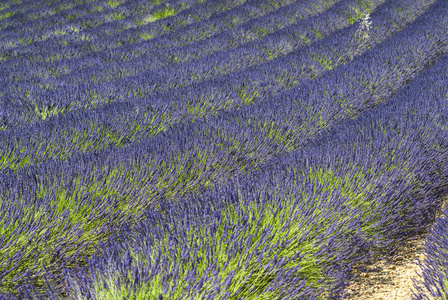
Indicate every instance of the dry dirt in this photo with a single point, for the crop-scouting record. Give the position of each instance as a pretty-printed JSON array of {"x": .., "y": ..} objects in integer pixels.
[{"x": 391, "y": 280}]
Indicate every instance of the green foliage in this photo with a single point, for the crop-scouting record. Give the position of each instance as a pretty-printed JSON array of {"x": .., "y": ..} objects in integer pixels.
[
  {"x": 146, "y": 36},
  {"x": 161, "y": 14},
  {"x": 7, "y": 15},
  {"x": 113, "y": 4}
]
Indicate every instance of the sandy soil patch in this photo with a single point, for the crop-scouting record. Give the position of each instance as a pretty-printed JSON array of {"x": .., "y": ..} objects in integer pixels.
[{"x": 392, "y": 280}]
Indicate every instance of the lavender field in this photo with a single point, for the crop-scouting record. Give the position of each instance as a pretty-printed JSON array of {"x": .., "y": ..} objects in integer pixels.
[{"x": 219, "y": 149}]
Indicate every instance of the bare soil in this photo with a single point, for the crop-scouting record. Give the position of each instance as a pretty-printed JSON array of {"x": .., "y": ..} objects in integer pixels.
[{"x": 391, "y": 279}]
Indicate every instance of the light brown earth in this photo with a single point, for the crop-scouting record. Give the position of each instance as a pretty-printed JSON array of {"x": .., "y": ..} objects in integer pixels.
[{"x": 391, "y": 280}]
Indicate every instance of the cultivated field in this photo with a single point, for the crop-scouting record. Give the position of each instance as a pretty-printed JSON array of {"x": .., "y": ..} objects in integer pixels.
[{"x": 222, "y": 149}]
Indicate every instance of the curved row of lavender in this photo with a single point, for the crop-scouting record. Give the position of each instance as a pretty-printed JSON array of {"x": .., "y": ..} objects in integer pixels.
[
  {"x": 75, "y": 205},
  {"x": 385, "y": 172},
  {"x": 209, "y": 22},
  {"x": 372, "y": 182},
  {"x": 148, "y": 116},
  {"x": 123, "y": 90}
]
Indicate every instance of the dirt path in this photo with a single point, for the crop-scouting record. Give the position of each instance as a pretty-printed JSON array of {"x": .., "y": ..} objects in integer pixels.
[{"x": 391, "y": 280}]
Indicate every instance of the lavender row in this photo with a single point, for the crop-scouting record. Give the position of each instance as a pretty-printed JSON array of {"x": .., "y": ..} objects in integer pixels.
[
  {"x": 90, "y": 188},
  {"x": 295, "y": 227},
  {"x": 384, "y": 171},
  {"x": 266, "y": 39},
  {"x": 136, "y": 49},
  {"x": 101, "y": 129},
  {"x": 100, "y": 33},
  {"x": 17, "y": 8},
  {"x": 140, "y": 55},
  {"x": 18, "y": 90},
  {"x": 90, "y": 61},
  {"x": 319, "y": 113},
  {"x": 62, "y": 16},
  {"x": 312, "y": 118},
  {"x": 228, "y": 91},
  {"x": 15, "y": 25}
]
